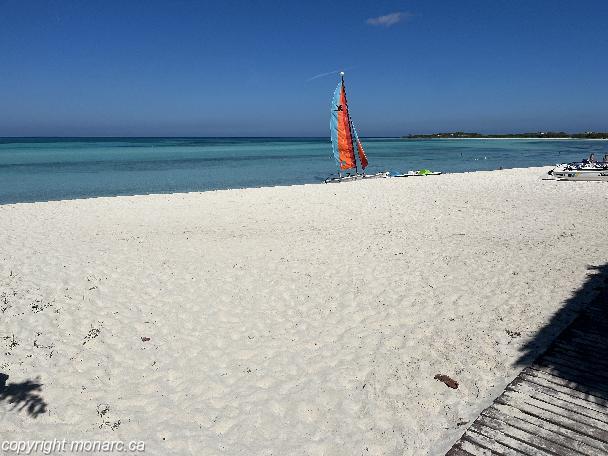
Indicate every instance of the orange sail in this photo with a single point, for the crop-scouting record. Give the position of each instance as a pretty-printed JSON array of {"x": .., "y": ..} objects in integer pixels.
[
  {"x": 343, "y": 133},
  {"x": 341, "y": 137}
]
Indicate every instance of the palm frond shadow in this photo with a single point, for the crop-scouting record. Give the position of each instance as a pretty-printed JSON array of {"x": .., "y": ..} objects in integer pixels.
[
  {"x": 23, "y": 396},
  {"x": 574, "y": 343}
]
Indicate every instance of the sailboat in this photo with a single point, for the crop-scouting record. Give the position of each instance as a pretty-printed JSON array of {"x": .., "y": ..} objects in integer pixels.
[{"x": 345, "y": 140}]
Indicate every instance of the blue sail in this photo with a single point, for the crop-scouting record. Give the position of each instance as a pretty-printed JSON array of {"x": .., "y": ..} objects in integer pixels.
[{"x": 333, "y": 123}]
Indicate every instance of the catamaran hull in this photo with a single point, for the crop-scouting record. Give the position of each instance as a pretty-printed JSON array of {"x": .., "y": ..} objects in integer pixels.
[
  {"x": 581, "y": 175},
  {"x": 416, "y": 174},
  {"x": 355, "y": 177},
  {"x": 577, "y": 175}
]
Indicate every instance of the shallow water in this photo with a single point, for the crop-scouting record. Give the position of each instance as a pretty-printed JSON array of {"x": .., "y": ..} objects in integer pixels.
[{"x": 41, "y": 169}]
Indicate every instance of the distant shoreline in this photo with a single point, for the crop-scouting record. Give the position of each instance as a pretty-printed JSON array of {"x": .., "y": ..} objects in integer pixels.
[
  {"x": 529, "y": 135},
  {"x": 519, "y": 137}
]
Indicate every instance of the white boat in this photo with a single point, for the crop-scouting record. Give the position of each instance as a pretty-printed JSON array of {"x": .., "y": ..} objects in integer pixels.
[{"x": 581, "y": 171}]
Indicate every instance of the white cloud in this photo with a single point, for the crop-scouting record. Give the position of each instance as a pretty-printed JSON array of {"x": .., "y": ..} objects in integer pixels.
[{"x": 389, "y": 19}]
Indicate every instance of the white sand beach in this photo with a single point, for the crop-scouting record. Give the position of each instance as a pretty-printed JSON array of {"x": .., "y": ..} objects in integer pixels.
[{"x": 304, "y": 320}]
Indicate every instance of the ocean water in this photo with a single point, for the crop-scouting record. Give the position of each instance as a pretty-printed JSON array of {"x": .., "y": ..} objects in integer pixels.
[{"x": 42, "y": 169}]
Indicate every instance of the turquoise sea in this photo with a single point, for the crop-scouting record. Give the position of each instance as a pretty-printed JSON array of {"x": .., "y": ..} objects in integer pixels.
[{"x": 42, "y": 169}]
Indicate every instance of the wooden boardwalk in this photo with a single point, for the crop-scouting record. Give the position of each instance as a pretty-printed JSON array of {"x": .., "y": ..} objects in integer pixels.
[{"x": 558, "y": 405}]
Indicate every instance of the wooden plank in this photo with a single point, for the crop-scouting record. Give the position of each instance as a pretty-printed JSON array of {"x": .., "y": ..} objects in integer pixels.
[
  {"x": 508, "y": 441},
  {"x": 457, "y": 451},
  {"x": 562, "y": 369},
  {"x": 579, "y": 362},
  {"x": 579, "y": 350},
  {"x": 569, "y": 382},
  {"x": 580, "y": 344},
  {"x": 573, "y": 373},
  {"x": 587, "y": 331},
  {"x": 556, "y": 419},
  {"x": 588, "y": 335},
  {"x": 583, "y": 380},
  {"x": 566, "y": 385},
  {"x": 595, "y": 360},
  {"x": 549, "y": 404},
  {"x": 527, "y": 435},
  {"x": 475, "y": 448},
  {"x": 566, "y": 389},
  {"x": 490, "y": 444},
  {"x": 521, "y": 401},
  {"x": 586, "y": 343},
  {"x": 547, "y": 430},
  {"x": 573, "y": 403}
]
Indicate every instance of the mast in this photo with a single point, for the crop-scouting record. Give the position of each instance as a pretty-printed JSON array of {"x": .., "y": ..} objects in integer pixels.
[{"x": 350, "y": 125}]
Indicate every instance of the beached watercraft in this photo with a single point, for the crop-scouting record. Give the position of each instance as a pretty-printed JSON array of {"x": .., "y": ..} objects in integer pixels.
[
  {"x": 581, "y": 171},
  {"x": 345, "y": 140},
  {"x": 353, "y": 177},
  {"x": 420, "y": 172}
]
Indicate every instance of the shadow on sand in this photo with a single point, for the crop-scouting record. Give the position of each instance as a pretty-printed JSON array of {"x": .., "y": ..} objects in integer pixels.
[
  {"x": 574, "y": 342},
  {"x": 558, "y": 403},
  {"x": 23, "y": 396}
]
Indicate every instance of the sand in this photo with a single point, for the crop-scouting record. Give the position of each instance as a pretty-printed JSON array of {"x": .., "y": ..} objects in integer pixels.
[{"x": 304, "y": 320}]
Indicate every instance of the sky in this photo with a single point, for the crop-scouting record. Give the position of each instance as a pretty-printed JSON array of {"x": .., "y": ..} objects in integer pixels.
[{"x": 268, "y": 68}]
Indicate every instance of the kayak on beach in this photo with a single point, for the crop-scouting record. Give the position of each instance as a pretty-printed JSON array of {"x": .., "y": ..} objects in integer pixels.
[{"x": 420, "y": 172}]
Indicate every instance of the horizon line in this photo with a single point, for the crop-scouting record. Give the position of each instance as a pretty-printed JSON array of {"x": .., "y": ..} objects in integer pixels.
[{"x": 274, "y": 136}]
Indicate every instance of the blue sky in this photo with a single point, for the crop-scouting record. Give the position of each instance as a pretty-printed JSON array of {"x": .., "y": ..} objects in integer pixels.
[{"x": 238, "y": 68}]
